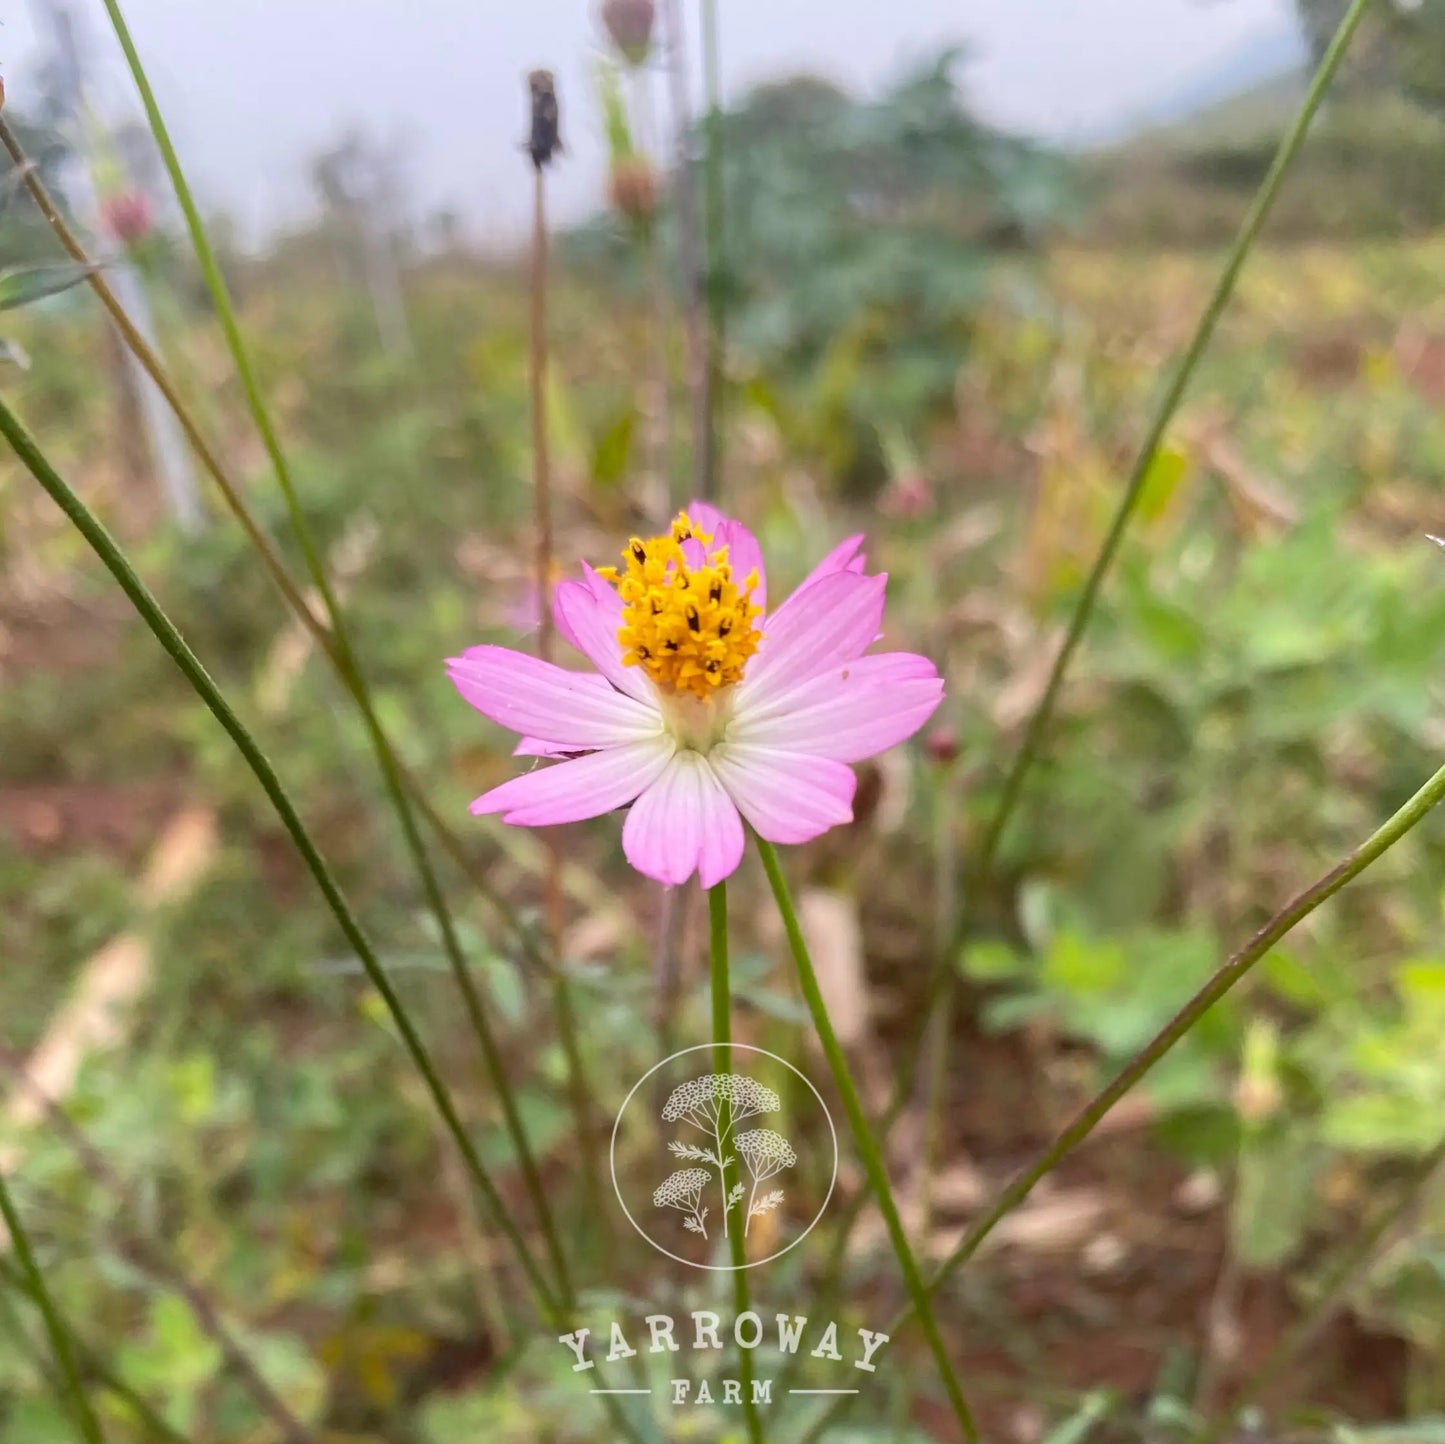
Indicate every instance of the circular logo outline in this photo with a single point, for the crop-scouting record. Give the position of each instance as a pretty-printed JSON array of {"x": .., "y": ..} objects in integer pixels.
[{"x": 712, "y": 1049}]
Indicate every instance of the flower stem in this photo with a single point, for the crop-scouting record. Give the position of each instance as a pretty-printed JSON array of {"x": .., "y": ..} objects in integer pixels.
[
  {"x": 867, "y": 1145},
  {"x": 60, "y": 1340},
  {"x": 346, "y": 658},
  {"x": 717, "y": 911},
  {"x": 579, "y": 1096},
  {"x": 689, "y": 249},
  {"x": 165, "y": 632},
  {"x": 1228, "y": 974},
  {"x": 935, "y": 1042}
]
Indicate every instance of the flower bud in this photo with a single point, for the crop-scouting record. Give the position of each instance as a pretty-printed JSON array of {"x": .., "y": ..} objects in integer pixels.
[
  {"x": 941, "y": 744},
  {"x": 632, "y": 187},
  {"x": 629, "y": 23},
  {"x": 908, "y": 495},
  {"x": 126, "y": 217}
]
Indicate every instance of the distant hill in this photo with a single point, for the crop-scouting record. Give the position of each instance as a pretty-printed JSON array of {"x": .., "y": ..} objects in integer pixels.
[
  {"x": 1253, "y": 90},
  {"x": 1184, "y": 172}
]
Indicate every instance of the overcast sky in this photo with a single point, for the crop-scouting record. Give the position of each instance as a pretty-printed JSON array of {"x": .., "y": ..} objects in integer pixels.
[{"x": 252, "y": 88}]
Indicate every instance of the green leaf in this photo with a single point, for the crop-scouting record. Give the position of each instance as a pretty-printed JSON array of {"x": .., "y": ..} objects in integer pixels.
[
  {"x": 991, "y": 961},
  {"x": 1076, "y": 1429},
  {"x": 38, "y": 1421},
  {"x": 1274, "y": 1196},
  {"x": 1168, "y": 468},
  {"x": 20, "y": 285},
  {"x": 1417, "y": 1431},
  {"x": 614, "y": 449}
]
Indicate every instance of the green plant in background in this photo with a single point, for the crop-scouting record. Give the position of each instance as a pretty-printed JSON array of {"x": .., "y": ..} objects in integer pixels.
[{"x": 859, "y": 239}]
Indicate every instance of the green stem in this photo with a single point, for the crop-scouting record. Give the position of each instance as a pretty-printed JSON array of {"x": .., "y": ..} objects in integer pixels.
[
  {"x": 60, "y": 1340},
  {"x": 1332, "y": 1294},
  {"x": 717, "y": 912},
  {"x": 934, "y": 1046},
  {"x": 1249, "y": 230},
  {"x": 157, "y": 1427},
  {"x": 716, "y": 254},
  {"x": 1230, "y": 972},
  {"x": 863, "y": 1137},
  {"x": 164, "y": 630},
  {"x": 346, "y": 658}
]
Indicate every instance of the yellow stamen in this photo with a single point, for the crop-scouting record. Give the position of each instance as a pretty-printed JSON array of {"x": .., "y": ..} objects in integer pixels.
[{"x": 690, "y": 628}]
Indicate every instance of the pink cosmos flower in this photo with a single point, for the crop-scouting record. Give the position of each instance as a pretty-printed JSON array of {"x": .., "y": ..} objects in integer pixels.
[{"x": 705, "y": 708}]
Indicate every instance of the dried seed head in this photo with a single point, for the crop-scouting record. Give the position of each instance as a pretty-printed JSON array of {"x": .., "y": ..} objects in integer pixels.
[
  {"x": 629, "y": 23},
  {"x": 546, "y": 138},
  {"x": 632, "y": 187}
]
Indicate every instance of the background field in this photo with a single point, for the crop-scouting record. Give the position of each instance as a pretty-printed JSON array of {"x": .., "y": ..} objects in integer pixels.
[{"x": 962, "y": 364}]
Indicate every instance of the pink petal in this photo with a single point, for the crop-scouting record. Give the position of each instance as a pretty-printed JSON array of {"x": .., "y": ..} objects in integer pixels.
[
  {"x": 745, "y": 553},
  {"x": 602, "y": 592},
  {"x": 705, "y": 516},
  {"x": 590, "y": 619},
  {"x": 586, "y": 787},
  {"x": 847, "y": 556},
  {"x": 564, "y": 627},
  {"x": 534, "y": 697},
  {"x": 851, "y": 711},
  {"x": 835, "y": 621},
  {"x": 684, "y": 823},
  {"x": 785, "y": 796}
]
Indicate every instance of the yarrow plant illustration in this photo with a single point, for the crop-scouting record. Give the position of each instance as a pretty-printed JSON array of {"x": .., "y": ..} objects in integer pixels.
[
  {"x": 715, "y": 1104},
  {"x": 705, "y": 708},
  {"x": 683, "y": 1190},
  {"x": 766, "y": 1153}
]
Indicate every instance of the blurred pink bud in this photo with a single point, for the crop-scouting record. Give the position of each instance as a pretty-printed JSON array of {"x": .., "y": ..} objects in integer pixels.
[
  {"x": 126, "y": 217},
  {"x": 941, "y": 744},
  {"x": 629, "y": 23},
  {"x": 908, "y": 495}
]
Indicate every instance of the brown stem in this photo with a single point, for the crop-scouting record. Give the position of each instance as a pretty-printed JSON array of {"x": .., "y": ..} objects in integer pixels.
[
  {"x": 668, "y": 486},
  {"x": 554, "y": 906},
  {"x": 690, "y": 245}
]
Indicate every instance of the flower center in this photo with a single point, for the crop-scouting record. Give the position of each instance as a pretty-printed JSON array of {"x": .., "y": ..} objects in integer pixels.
[{"x": 689, "y": 626}]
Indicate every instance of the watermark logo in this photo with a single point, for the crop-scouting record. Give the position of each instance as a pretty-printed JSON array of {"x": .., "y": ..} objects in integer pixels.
[{"x": 742, "y": 1142}]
